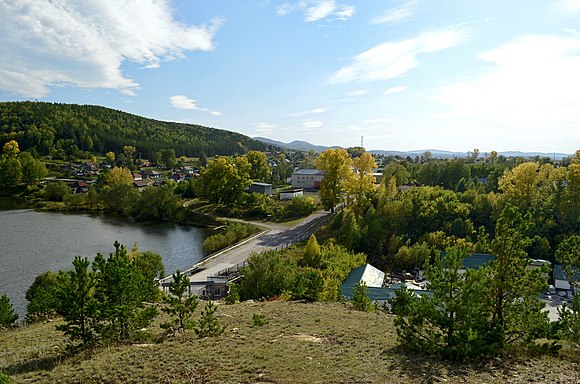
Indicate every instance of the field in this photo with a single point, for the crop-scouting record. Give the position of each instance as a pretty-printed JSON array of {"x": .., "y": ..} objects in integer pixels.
[{"x": 301, "y": 343}]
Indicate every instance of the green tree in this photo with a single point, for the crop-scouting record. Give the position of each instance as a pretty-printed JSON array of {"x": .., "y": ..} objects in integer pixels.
[
  {"x": 168, "y": 157},
  {"x": 77, "y": 304},
  {"x": 209, "y": 325},
  {"x": 8, "y": 317},
  {"x": 454, "y": 321},
  {"x": 33, "y": 170},
  {"x": 179, "y": 303},
  {"x": 513, "y": 287},
  {"x": 570, "y": 320},
  {"x": 10, "y": 171},
  {"x": 42, "y": 297},
  {"x": 360, "y": 297},
  {"x": 122, "y": 292},
  {"x": 307, "y": 285},
  {"x": 335, "y": 166},
  {"x": 56, "y": 191},
  {"x": 224, "y": 181},
  {"x": 568, "y": 254},
  {"x": 267, "y": 274}
]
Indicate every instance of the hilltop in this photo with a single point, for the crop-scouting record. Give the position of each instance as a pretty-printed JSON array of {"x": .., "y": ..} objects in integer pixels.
[
  {"x": 70, "y": 127},
  {"x": 301, "y": 343}
]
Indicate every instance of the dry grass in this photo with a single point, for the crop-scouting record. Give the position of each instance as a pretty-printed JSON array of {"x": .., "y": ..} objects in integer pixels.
[{"x": 302, "y": 343}]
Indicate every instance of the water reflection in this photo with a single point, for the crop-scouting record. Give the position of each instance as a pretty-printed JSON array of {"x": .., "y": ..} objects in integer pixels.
[{"x": 33, "y": 242}]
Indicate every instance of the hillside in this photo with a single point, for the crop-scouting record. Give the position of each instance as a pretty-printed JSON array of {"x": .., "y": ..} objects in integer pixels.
[
  {"x": 46, "y": 126},
  {"x": 302, "y": 343}
]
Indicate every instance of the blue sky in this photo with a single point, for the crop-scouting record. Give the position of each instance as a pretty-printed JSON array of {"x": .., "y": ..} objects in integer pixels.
[{"x": 405, "y": 75}]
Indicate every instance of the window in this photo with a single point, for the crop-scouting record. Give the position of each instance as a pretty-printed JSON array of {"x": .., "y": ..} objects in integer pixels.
[{"x": 217, "y": 292}]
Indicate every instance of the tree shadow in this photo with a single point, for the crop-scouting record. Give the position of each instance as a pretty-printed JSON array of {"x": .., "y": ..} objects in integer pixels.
[{"x": 417, "y": 367}]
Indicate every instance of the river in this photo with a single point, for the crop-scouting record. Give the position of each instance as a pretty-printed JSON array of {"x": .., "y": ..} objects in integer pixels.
[{"x": 34, "y": 242}]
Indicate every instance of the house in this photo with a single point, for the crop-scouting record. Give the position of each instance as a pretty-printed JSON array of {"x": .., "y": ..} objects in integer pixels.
[
  {"x": 263, "y": 188},
  {"x": 291, "y": 193},
  {"x": 561, "y": 278},
  {"x": 151, "y": 174},
  {"x": 139, "y": 184},
  {"x": 137, "y": 176},
  {"x": 216, "y": 288},
  {"x": 307, "y": 179},
  {"x": 373, "y": 278},
  {"x": 80, "y": 186}
]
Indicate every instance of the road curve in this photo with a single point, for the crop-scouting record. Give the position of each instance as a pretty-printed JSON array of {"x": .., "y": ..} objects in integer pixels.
[{"x": 273, "y": 236}]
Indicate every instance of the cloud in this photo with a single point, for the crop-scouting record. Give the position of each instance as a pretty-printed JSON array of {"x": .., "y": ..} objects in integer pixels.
[
  {"x": 315, "y": 10},
  {"x": 394, "y": 59},
  {"x": 264, "y": 128},
  {"x": 394, "y": 90},
  {"x": 184, "y": 102},
  {"x": 84, "y": 44},
  {"x": 532, "y": 85},
  {"x": 318, "y": 110},
  {"x": 358, "y": 92},
  {"x": 566, "y": 8},
  {"x": 309, "y": 124},
  {"x": 398, "y": 14}
]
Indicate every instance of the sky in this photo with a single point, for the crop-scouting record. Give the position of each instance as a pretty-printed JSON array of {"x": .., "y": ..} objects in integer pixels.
[{"x": 396, "y": 75}]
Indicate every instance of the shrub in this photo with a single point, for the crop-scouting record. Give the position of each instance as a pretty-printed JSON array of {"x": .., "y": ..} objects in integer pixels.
[
  {"x": 4, "y": 378},
  {"x": 7, "y": 315},
  {"x": 232, "y": 234},
  {"x": 360, "y": 297},
  {"x": 209, "y": 325},
  {"x": 258, "y": 320}
]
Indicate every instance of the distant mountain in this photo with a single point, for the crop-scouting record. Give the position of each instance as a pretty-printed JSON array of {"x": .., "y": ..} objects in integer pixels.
[
  {"x": 47, "y": 127},
  {"x": 296, "y": 145},
  {"x": 436, "y": 153}
]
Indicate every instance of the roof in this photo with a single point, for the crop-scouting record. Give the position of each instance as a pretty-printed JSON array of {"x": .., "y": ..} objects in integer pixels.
[
  {"x": 372, "y": 276},
  {"x": 261, "y": 184},
  {"x": 560, "y": 274},
  {"x": 308, "y": 172},
  {"x": 475, "y": 260}
]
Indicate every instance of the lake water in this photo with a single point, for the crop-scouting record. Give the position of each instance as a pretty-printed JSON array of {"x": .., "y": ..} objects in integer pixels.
[{"x": 34, "y": 242}]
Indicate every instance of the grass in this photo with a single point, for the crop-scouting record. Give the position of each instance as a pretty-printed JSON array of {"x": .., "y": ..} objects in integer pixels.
[{"x": 301, "y": 343}]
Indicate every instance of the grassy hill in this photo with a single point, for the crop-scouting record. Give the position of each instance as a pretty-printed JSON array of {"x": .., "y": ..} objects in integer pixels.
[
  {"x": 46, "y": 126},
  {"x": 302, "y": 343}
]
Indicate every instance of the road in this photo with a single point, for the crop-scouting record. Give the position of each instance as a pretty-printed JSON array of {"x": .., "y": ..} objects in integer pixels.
[{"x": 274, "y": 235}]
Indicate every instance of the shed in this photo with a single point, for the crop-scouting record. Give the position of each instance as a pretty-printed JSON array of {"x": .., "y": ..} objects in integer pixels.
[
  {"x": 291, "y": 193},
  {"x": 263, "y": 188}
]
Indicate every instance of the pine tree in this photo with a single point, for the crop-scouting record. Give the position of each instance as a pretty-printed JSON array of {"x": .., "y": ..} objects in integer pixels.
[
  {"x": 179, "y": 304},
  {"x": 360, "y": 297},
  {"x": 7, "y": 315},
  {"x": 209, "y": 325}
]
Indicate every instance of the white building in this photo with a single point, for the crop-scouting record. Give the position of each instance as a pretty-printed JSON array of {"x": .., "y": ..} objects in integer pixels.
[{"x": 307, "y": 179}]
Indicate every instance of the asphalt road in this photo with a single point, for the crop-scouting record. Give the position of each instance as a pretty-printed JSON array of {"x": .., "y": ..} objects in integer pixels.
[{"x": 275, "y": 235}]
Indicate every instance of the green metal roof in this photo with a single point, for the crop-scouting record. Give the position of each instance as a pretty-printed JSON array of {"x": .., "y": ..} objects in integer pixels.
[{"x": 475, "y": 260}]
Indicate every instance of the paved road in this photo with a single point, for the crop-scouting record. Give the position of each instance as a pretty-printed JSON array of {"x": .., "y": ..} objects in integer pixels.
[{"x": 274, "y": 235}]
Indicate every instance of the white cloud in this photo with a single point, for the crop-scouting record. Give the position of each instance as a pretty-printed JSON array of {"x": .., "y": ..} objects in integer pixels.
[
  {"x": 182, "y": 102},
  {"x": 394, "y": 59},
  {"x": 394, "y": 90},
  {"x": 318, "y": 110},
  {"x": 264, "y": 128},
  {"x": 566, "y": 8},
  {"x": 358, "y": 92},
  {"x": 309, "y": 124},
  {"x": 531, "y": 88},
  {"x": 397, "y": 14},
  {"x": 47, "y": 43},
  {"x": 315, "y": 10}
]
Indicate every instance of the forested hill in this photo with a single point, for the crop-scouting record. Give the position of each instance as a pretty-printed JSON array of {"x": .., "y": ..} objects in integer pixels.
[{"x": 48, "y": 126}]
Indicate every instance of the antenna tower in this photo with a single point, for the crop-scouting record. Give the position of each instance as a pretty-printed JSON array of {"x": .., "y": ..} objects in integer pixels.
[{"x": 361, "y": 142}]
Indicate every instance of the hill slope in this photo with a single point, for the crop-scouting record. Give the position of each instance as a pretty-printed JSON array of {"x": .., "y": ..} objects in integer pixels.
[
  {"x": 302, "y": 343},
  {"x": 45, "y": 126}
]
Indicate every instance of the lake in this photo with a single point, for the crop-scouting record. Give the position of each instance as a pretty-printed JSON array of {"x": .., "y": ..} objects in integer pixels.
[{"x": 34, "y": 242}]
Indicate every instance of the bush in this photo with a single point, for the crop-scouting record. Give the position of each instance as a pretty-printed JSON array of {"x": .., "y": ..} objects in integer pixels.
[
  {"x": 4, "y": 378},
  {"x": 233, "y": 295},
  {"x": 360, "y": 297},
  {"x": 258, "y": 320},
  {"x": 42, "y": 297},
  {"x": 232, "y": 234},
  {"x": 56, "y": 191}
]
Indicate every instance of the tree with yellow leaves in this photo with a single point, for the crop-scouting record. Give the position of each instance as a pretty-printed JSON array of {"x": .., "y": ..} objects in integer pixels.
[{"x": 335, "y": 165}]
